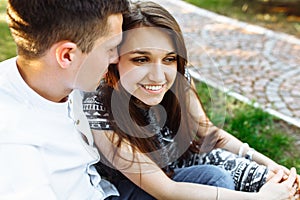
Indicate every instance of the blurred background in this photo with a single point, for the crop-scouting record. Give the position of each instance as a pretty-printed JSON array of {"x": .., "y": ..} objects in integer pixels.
[{"x": 278, "y": 15}]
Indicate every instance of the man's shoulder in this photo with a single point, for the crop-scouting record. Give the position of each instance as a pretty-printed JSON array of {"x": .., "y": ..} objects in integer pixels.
[
  {"x": 7, "y": 64},
  {"x": 6, "y": 67},
  {"x": 8, "y": 74}
]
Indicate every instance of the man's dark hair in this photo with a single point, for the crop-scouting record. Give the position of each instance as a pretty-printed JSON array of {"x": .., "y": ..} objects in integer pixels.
[{"x": 37, "y": 24}]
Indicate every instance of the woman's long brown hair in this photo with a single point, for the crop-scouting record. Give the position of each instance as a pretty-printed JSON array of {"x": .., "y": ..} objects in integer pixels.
[{"x": 136, "y": 127}]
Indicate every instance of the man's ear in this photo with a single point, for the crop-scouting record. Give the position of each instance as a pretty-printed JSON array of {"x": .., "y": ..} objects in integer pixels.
[{"x": 65, "y": 53}]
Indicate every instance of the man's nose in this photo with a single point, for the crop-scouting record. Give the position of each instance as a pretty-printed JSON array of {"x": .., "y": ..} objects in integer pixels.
[{"x": 114, "y": 56}]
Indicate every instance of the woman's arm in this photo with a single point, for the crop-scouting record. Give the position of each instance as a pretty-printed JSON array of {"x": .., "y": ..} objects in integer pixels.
[
  {"x": 215, "y": 137},
  {"x": 211, "y": 137},
  {"x": 231, "y": 143},
  {"x": 147, "y": 175}
]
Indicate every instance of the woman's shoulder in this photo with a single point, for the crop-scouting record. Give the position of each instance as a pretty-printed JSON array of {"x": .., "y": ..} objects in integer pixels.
[{"x": 96, "y": 108}]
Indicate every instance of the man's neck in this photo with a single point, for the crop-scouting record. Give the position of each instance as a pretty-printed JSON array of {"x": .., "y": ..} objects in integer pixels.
[{"x": 43, "y": 78}]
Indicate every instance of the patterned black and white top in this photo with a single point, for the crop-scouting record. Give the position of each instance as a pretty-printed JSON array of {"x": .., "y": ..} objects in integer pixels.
[{"x": 247, "y": 175}]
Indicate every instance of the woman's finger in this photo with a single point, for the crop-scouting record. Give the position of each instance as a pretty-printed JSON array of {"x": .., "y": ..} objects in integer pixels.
[
  {"x": 292, "y": 178},
  {"x": 277, "y": 177}
]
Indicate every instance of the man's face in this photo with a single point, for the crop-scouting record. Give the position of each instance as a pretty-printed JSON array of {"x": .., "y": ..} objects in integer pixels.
[{"x": 96, "y": 62}]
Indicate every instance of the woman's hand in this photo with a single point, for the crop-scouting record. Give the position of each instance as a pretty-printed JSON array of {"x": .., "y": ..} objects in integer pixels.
[
  {"x": 281, "y": 189},
  {"x": 274, "y": 167}
]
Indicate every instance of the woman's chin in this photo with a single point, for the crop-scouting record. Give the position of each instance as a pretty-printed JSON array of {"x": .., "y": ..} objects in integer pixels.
[{"x": 151, "y": 101}]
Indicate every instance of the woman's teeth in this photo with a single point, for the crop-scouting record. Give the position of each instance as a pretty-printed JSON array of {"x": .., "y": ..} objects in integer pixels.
[{"x": 152, "y": 87}]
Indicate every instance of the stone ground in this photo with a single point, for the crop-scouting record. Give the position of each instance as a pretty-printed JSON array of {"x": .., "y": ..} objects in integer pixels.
[{"x": 249, "y": 62}]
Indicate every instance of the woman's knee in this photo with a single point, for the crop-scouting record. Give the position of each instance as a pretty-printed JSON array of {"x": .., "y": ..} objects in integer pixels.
[{"x": 219, "y": 177}]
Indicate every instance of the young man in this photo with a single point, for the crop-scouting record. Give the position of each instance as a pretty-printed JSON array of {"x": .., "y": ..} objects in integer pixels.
[{"x": 46, "y": 148}]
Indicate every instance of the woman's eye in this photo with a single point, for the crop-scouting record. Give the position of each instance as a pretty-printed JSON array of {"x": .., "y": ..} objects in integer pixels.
[
  {"x": 140, "y": 60},
  {"x": 170, "y": 59}
]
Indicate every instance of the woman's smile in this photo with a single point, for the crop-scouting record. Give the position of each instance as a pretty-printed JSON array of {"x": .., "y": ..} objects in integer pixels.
[{"x": 153, "y": 88}]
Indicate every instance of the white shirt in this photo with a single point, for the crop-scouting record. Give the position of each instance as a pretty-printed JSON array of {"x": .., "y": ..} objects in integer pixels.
[{"x": 42, "y": 153}]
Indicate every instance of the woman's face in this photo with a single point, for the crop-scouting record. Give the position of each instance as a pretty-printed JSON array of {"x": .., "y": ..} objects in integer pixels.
[{"x": 148, "y": 64}]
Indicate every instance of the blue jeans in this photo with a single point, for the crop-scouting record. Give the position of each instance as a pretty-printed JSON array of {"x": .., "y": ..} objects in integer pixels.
[{"x": 201, "y": 174}]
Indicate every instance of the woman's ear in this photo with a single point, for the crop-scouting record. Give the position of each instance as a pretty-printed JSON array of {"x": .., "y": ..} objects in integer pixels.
[{"x": 65, "y": 53}]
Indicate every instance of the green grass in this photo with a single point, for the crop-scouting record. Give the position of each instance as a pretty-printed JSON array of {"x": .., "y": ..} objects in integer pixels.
[
  {"x": 219, "y": 6},
  {"x": 259, "y": 129},
  {"x": 246, "y": 12},
  {"x": 7, "y": 45}
]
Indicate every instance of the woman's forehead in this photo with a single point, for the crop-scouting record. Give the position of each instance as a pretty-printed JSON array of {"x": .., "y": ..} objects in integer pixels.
[{"x": 146, "y": 38}]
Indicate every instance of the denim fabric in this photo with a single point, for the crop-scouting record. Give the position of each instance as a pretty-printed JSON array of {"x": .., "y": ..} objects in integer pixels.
[
  {"x": 204, "y": 174},
  {"x": 201, "y": 174}
]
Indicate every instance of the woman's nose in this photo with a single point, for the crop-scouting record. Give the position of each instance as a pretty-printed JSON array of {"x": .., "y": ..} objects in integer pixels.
[{"x": 157, "y": 73}]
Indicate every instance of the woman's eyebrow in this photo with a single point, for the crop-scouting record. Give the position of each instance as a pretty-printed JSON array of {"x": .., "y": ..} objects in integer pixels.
[
  {"x": 139, "y": 52},
  {"x": 172, "y": 52},
  {"x": 147, "y": 52}
]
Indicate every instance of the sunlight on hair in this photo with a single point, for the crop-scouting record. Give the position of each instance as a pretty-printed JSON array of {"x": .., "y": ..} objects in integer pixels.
[{"x": 14, "y": 16}]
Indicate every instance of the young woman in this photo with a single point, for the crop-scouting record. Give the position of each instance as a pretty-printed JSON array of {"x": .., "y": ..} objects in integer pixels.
[{"x": 151, "y": 129}]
